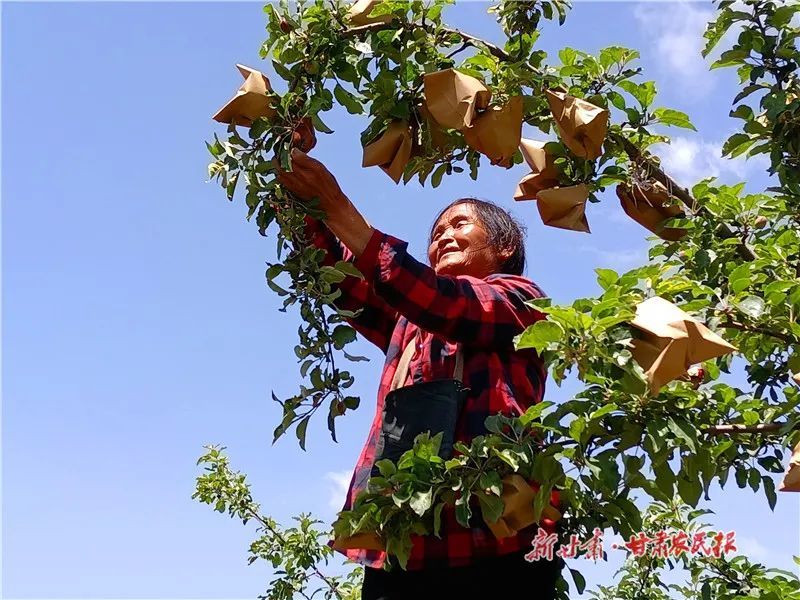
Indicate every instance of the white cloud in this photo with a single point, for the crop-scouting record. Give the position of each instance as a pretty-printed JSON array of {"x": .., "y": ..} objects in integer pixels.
[
  {"x": 338, "y": 481},
  {"x": 619, "y": 260},
  {"x": 751, "y": 548},
  {"x": 675, "y": 31},
  {"x": 689, "y": 160}
]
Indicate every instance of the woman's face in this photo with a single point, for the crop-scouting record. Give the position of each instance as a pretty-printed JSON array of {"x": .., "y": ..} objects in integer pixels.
[{"x": 460, "y": 245}]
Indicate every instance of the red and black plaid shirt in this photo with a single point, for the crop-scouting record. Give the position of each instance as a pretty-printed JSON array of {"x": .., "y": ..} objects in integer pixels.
[{"x": 400, "y": 296}]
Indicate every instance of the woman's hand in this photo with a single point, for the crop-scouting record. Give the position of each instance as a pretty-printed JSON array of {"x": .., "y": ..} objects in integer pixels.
[{"x": 309, "y": 179}]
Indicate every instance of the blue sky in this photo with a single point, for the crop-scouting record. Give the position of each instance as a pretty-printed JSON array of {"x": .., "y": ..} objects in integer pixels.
[{"x": 137, "y": 325}]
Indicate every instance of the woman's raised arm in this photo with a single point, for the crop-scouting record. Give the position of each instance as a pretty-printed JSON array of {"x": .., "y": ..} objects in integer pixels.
[{"x": 482, "y": 312}]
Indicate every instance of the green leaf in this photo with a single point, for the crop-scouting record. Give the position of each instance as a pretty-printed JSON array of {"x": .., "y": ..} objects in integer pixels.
[
  {"x": 613, "y": 54},
  {"x": 684, "y": 431},
  {"x": 331, "y": 274},
  {"x": 567, "y": 56},
  {"x": 578, "y": 580},
  {"x": 483, "y": 61},
  {"x": 690, "y": 490},
  {"x": 754, "y": 479},
  {"x": 230, "y": 188},
  {"x": 421, "y": 501},
  {"x": 769, "y": 491},
  {"x": 463, "y": 510},
  {"x": 351, "y": 402},
  {"x": 606, "y": 277},
  {"x": 348, "y": 268},
  {"x": 436, "y": 178},
  {"x": 752, "y": 306},
  {"x": 491, "y": 507},
  {"x": 603, "y": 411},
  {"x": 665, "y": 478},
  {"x": 434, "y": 12},
  {"x": 741, "y": 477},
  {"x": 281, "y": 70},
  {"x": 617, "y": 100},
  {"x": 301, "y": 431},
  {"x": 216, "y": 149},
  {"x": 782, "y": 16},
  {"x": 343, "y": 334},
  {"x": 705, "y": 591},
  {"x": 348, "y": 100},
  {"x": 539, "y": 335},
  {"x": 491, "y": 481},
  {"x": 675, "y": 118},
  {"x": 274, "y": 270},
  {"x": 319, "y": 125},
  {"x": 746, "y": 91},
  {"x": 644, "y": 93},
  {"x": 508, "y": 457},
  {"x": 737, "y": 144},
  {"x": 730, "y": 58},
  {"x": 437, "y": 519},
  {"x": 576, "y": 428},
  {"x": 386, "y": 467},
  {"x": 743, "y": 112},
  {"x": 740, "y": 278},
  {"x": 534, "y": 412}
]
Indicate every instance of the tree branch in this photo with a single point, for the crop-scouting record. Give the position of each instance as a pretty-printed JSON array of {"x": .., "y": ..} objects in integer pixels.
[
  {"x": 468, "y": 39},
  {"x": 254, "y": 514},
  {"x": 629, "y": 147},
  {"x": 676, "y": 190},
  {"x": 730, "y": 324},
  {"x": 728, "y": 429}
]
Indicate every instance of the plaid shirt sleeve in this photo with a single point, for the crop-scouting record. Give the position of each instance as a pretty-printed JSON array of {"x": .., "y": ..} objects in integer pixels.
[
  {"x": 376, "y": 319},
  {"x": 479, "y": 312}
]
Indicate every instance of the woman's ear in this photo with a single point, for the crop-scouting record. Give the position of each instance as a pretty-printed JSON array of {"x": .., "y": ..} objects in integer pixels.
[{"x": 505, "y": 254}]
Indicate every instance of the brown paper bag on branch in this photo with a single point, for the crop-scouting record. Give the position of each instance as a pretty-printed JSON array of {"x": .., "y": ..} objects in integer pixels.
[
  {"x": 454, "y": 98},
  {"x": 250, "y": 102},
  {"x": 497, "y": 132},
  {"x": 518, "y": 497},
  {"x": 391, "y": 151},
  {"x": 543, "y": 175},
  {"x": 581, "y": 125},
  {"x": 649, "y": 208},
  {"x": 564, "y": 207},
  {"x": 671, "y": 342},
  {"x": 791, "y": 480},
  {"x": 359, "y": 13}
]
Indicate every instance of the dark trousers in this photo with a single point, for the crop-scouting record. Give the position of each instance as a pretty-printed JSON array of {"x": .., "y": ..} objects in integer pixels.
[{"x": 494, "y": 578}]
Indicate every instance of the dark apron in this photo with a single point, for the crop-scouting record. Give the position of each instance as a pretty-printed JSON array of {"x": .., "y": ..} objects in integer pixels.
[{"x": 432, "y": 406}]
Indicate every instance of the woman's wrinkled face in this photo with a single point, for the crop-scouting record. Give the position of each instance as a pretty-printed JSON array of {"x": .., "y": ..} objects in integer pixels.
[{"x": 460, "y": 244}]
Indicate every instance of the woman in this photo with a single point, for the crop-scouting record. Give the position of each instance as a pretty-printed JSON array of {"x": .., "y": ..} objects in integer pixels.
[{"x": 469, "y": 302}]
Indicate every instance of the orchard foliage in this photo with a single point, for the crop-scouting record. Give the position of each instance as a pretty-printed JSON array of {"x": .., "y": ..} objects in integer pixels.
[
  {"x": 614, "y": 446},
  {"x": 295, "y": 553}
]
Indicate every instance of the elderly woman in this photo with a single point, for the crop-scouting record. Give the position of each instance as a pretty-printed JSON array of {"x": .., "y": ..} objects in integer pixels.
[{"x": 439, "y": 326}]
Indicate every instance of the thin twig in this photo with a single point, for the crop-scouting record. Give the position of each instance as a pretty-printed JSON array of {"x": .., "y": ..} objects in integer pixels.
[{"x": 462, "y": 47}]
